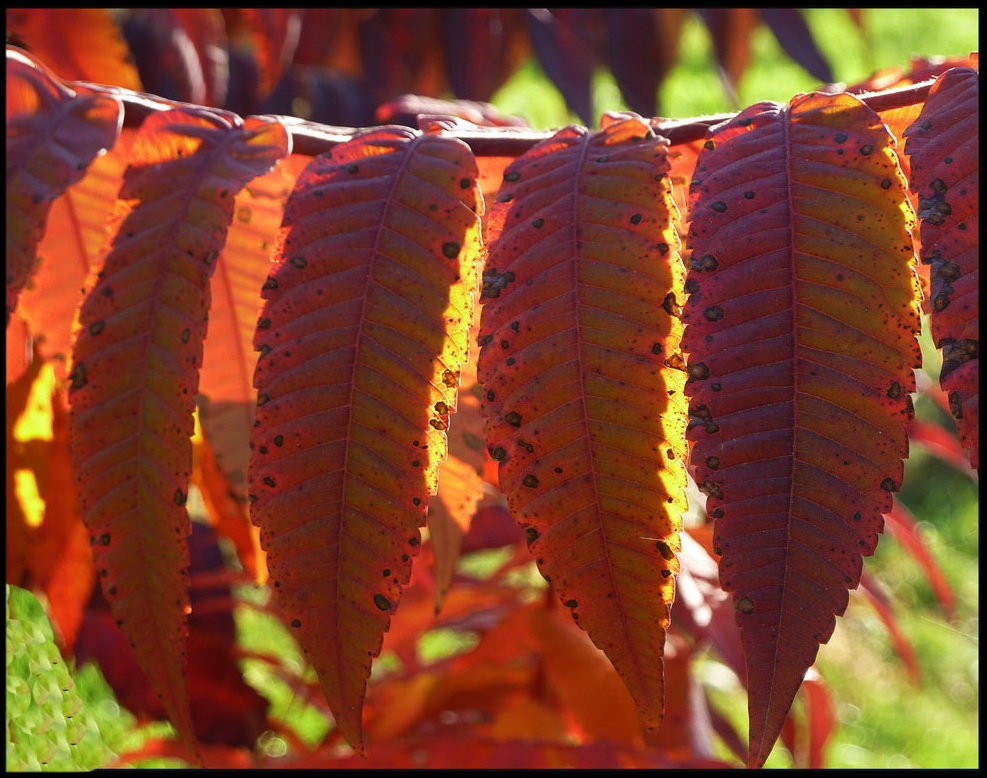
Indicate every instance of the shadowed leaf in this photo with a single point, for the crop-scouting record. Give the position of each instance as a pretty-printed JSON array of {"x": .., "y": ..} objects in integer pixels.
[
  {"x": 800, "y": 329},
  {"x": 135, "y": 371}
]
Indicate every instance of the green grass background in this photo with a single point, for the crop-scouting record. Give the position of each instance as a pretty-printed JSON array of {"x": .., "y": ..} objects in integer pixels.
[{"x": 884, "y": 722}]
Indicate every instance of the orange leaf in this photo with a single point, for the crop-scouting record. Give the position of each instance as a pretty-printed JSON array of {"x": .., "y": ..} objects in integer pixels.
[
  {"x": 579, "y": 293},
  {"x": 943, "y": 145},
  {"x": 801, "y": 330},
  {"x": 53, "y": 133},
  {"x": 226, "y": 394},
  {"x": 71, "y": 248},
  {"x": 362, "y": 339},
  {"x": 79, "y": 44},
  {"x": 135, "y": 371}
]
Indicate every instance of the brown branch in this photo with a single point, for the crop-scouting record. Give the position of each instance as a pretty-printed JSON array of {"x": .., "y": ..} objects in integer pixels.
[{"x": 311, "y": 139}]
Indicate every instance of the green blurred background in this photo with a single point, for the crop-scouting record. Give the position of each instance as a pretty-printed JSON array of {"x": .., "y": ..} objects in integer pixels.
[{"x": 884, "y": 720}]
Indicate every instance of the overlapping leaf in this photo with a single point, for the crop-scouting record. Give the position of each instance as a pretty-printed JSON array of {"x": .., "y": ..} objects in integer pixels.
[
  {"x": 135, "y": 371},
  {"x": 583, "y": 408},
  {"x": 943, "y": 146},
  {"x": 361, "y": 339},
  {"x": 53, "y": 133},
  {"x": 800, "y": 330}
]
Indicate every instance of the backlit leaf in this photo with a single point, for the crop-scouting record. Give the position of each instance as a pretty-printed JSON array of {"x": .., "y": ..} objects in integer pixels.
[
  {"x": 53, "y": 133},
  {"x": 582, "y": 407},
  {"x": 135, "y": 371},
  {"x": 800, "y": 329},
  {"x": 362, "y": 338},
  {"x": 79, "y": 44},
  {"x": 943, "y": 146}
]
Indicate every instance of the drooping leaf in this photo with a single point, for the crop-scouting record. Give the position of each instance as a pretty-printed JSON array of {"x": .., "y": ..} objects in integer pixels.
[
  {"x": 943, "y": 146},
  {"x": 74, "y": 239},
  {"x": 135, "y": 371},
  {"x": 401, "y": 52},
  {"x": 362, "y": 338},
  {"x": 564, "y": 40},
  {"x": 800, "y": 327},
  {"x": 583, "y": 408},
  {"x": 642, "y": 48},
  {"x": 275, "y": 33},
  {"x": 79, "y": 44},
  {"x": 53, "y": 133},
  {"x": 792, "y": 32},
  {"x": 731, "y": 30},
  {"x": 872, "y": 593},
  {"x": 903, "y": 527}
]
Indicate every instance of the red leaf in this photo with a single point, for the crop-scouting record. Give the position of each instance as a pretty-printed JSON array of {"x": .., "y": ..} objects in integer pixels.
[
  {"x": 585, "y": 419},
  {"x": 944, "y": 150},
  {"x": 53, "y": 133},
  {"x": 135, "y": 371},
  {"x": 903, "y": 527},
  {"x": 799, "y": 392},
  {"x": 872, "y": 593},
  {"x": 362, "y": 339},
  {"x": 483, "y": 47}
]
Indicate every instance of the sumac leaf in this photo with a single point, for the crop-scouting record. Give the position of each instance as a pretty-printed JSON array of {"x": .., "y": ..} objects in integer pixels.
[
  {"x": 135, "y": 371},
  {"x": 366, "y": 311},
  {"x": 53, "y": 133},
  {"x": 943, "y": 146},
  {"x": 801, "y": 333},
  {"x": 581, "y": 409}
]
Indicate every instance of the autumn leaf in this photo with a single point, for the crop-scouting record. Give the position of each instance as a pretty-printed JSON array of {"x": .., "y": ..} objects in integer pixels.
[
  {"x": 943, "y": 146},
  {"x": 135, "y": 371},
  {"x": 583, "y": 408},
  {"x": 800, "y": 329},
  {"x": 362, "y": 338}
]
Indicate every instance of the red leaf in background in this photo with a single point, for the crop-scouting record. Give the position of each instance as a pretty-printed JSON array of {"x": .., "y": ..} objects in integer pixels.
[
  {"x": 902, "y": 526},
  {"x": 483, "y": 48},
  {"x": 401, "y": 53},
  {"x": 799, "y": 396},
  {"x": 135, "y": 370},
  {"x": 362, "y": 338},
  {"x": 53, "y": 133},
  {"x": 792, "y": 32},
  {"x": 731, "y": 31},
  {"x": 275, "y": 33},
  {"x": 79, "y": 44},
  {"x": 874, "y": 596},
  {"x": 566, "y": 43},
  {"x": 642, "y": 48},
  {"x": 943, "y": 147}
]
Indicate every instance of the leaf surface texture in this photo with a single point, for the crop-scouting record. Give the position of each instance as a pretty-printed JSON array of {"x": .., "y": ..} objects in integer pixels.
[
  {"x": 800, "y": 330},
  {"x": 581, "y": 410},
  {"x": 362, "y": 338}
]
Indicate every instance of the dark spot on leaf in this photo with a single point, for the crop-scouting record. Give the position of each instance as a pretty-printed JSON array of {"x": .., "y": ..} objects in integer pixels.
[
  {"x": 656, "y": 348},
  {"x": 299, "y": 262},
  {"x": 279, "y": 440},
  {"x": 416, "y": 501},
  {"x": 716, "y": 387},
  {"x": 413, "y": 541},
  {"x": 665, "y": 550},
  {"x": 840, "y": 137},
  {"x": 270, "y": 283},
  {"x": 465, "y": 183},
  {"x": 538, "y": 223},
  {"x": 571, "y": 604},
  {"x": 709, "y": 145},
  {"x": 745, "y": 605},
  {"x": 96, "y": 327},
  {"x": 670, "y": 305},
  {"x": 636, "y": 218},
  {"x": 699, "y": 371},
  {"x": 748, "y": 195},
  {"x": 450, "y": 249},
  {"x": 264, "y": 324},
  {"x": 713, "y": 463},
  {"x": 867, "y": 150},
  {"x": 886, "y": 183},
  {"x": 705, "y": 262},
  {"x": 711, "y": 488},
  {"x": 513, "y": 418},
  {"x": 713, "y": 313},
  {"x": 382, "y": 602},
  {"x": 955, "y": 405},
  {"x": 512, "y": 176},
  {"x": 78, "y": 376},
  {"x": 894, "y": 391},
  {"x": 889, "y": 485},
  {"x": 104, "y": 539},
  {"x": 719, "y": 206},
  {"x": 179, "y": 497},
  {"x": 674, "y": 362},
  {"x": 295, "y": 623},
  {"x": 438, "y": 424},
  {"x": 498, "y": 454},
  {"x": 530, "y": 481},
  {"x": 262, "y": 399}
]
